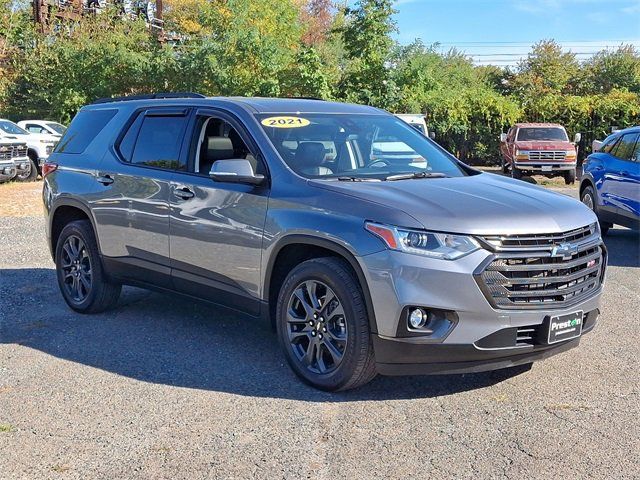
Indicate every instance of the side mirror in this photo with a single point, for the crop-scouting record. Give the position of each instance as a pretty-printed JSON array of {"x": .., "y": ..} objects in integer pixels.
[
  {"x": 235, "y": 171},
  {"x": 432, "y": 135},
  {"x": 503, "y": 137},
  {"x": 577, "y": 138},
  {"x": 595, "y": 146}
]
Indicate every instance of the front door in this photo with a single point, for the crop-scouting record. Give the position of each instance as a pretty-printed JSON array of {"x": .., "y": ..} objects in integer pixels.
[
  {"x": 619, "y": 187},
  {"x": 216, "y": 228}
]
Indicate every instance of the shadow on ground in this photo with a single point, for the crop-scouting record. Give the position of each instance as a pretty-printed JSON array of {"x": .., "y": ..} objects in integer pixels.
[
  {"x": 169, "y": 340},
  {"x": 623, "y": 246}
]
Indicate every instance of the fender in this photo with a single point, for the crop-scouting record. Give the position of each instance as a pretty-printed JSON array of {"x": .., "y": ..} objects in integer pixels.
[{"x": 329, "y": 245}]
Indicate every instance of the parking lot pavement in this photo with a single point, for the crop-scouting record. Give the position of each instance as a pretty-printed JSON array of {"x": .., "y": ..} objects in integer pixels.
[{"x": 164, "y": 387}]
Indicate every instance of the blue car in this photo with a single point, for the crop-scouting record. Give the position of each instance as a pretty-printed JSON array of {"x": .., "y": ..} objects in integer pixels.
[{"x": 610, "y": 183}]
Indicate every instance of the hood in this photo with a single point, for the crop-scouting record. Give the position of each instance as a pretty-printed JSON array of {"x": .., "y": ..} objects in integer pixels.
[
  {"x": 551, "y": 145},
  {"x": 28, "y": 137},
  {"x": 481, "y": 204}
]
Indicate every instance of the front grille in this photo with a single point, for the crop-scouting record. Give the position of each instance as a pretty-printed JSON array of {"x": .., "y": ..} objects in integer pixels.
[
  {"x": 529, "y": 272},
  {"x": 542, "y": 155},
  {"x": 9, "y": 152}
]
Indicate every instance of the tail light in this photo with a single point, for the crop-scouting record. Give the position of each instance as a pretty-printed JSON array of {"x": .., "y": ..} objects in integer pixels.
[{"x": 47, "y": 168}]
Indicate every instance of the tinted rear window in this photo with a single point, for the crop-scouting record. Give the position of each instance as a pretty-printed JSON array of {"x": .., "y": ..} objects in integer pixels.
[
  {"x": 624, "y": 148},
  {"x": 159, "y": 140},
  {"x": 86, "y": 125}
]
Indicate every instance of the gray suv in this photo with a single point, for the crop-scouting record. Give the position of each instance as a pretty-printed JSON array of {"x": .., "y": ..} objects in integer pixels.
[{"x": 365, "y": 262}]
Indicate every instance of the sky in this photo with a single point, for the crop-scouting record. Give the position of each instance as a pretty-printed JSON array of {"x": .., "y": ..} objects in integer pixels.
[{"x": 501, "y": 31}]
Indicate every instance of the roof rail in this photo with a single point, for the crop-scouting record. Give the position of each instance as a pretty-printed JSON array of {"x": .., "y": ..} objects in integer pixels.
[
  {"x": 305, "y": 98},
  {"x": 149, "y": 96}
]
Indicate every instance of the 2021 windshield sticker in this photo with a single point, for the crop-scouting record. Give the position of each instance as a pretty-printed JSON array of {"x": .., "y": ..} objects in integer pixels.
[{"x": 285, "y": 122}]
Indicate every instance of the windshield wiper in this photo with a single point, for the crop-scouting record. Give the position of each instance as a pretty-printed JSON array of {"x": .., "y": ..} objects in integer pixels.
[
  {"x": 357, "y": 179},
  {"x": 409, "y": 176}
]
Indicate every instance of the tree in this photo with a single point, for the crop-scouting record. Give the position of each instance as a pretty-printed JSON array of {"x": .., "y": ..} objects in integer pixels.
[
  {"x": 367, "y": 41},
  {"x": 619, "y": 69},
  {"x": 547, "y": 69},
  {"x": 306, "y": 76}
]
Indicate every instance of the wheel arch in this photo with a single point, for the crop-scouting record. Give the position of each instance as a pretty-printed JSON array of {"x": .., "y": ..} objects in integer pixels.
[
  {"x": 294, "y": 249},
  {"x": 587, "y": 181},
  {"x": 65, "y": 211}
]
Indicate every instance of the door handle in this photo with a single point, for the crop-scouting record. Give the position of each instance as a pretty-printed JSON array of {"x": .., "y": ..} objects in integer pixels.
[
  {"x": 183, "y": 193},
  {"x": 105, "y": 179}
]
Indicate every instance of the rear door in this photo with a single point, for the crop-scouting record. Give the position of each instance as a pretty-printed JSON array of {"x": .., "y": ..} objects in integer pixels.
[
  {"x": 132, "y": 206},
  {"x": 217, "y": 227}
]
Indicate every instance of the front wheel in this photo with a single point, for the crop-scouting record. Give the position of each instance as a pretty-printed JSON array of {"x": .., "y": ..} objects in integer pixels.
[
  {"x": 81, "y": 279},
  {"x": 588, "y": 197},
  {"x": 569, "y": 177},
  {"x": 323, "y": 326}
]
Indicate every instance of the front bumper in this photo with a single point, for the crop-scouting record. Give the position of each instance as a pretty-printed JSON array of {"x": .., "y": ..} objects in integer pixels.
[
  {"x": 22, "y": 164},
  {"x": 7, "y": 171},
  {"x": 404, "y": 357},
  {"x": 545, "y": 167},
  {"x": 398, "y": 280}
]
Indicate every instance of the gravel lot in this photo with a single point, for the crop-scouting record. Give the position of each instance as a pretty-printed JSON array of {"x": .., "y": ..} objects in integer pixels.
[{"x": 163, "y": 387}]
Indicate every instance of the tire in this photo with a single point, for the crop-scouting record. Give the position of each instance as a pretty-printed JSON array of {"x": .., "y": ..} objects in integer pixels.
[
  {"x": 341, "y": 327},
  {"x": 516, "y": 173},
  {"x": 81, "y": 278},
  {"x": 588, "y": 197},
  {"x": 569, "y": 177},
  {"x": 29, "y": 176}
]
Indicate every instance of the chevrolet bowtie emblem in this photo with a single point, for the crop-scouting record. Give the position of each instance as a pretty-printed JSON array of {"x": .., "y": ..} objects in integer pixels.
[{"x": 564, "y": 250}]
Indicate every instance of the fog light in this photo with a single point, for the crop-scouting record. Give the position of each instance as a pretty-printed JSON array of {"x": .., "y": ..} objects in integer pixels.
[{"x": 417, "y": 318}]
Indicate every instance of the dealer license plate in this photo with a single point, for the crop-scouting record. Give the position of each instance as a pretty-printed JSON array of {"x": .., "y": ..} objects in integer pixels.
[{"x": 565, "y": 327}]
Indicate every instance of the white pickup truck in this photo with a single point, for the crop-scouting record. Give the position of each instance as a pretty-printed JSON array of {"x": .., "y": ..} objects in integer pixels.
[
  {"x": 39, "y": 147},
  {"x": 13, "y": 159}
]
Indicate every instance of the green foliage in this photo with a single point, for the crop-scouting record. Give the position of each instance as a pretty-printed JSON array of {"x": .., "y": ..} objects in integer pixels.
[
  {"x": 368, "y": 45},
  {"x": 610, "y": 70}
]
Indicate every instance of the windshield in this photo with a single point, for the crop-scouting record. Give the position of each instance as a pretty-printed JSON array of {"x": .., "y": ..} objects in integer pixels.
[
  {"x": 12, "y": 128},
  {"x": 355, "y": 146},
  {"x": 56, "y": 127},
  {"x": 542, "y": 134}
]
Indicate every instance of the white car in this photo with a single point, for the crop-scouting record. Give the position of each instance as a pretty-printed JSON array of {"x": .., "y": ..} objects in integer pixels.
[
  {"x": 417, "y": 121},
  {"x": 39, "y": 147},
  {"x": 44, "y": 127}
]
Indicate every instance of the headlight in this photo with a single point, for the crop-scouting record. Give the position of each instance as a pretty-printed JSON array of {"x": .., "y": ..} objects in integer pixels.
[
  {"x": 522, "y": 154},
  {"x": 445, "y": 246},
  {"x": 570, "y": 153}
]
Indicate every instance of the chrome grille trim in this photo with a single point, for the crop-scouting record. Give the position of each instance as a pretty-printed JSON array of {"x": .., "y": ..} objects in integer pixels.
[
  {"x": 542, "y": 155},
  {"x": 505, "y": 243},
  {"x": 523, "y": 273},
  {"x": 9, "y": 152}
]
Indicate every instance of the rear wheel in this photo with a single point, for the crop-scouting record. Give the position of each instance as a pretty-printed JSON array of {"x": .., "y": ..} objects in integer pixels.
[
  {"x": 588, "y": 197},
  {"x": 81, "y": 278},
  {"x": 569, "y": 177},
  {"x": 323, "y": 326}
]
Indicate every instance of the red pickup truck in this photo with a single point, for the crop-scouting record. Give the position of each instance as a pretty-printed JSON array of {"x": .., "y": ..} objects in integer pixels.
[{"x": 541, "y": 149}]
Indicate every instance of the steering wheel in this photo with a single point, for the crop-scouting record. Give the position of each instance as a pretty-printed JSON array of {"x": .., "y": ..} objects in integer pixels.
[{"x": 381, "y": 161}]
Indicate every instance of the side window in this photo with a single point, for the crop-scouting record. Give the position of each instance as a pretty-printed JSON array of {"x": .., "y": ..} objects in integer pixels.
[
  {"x": 158, "y": 141},
  {"x": 635, "y": 156},
  {"x": 216, "y": 139},
  {"x": 609, "y": 145},
  {"x": 624, "y": 148},
  {"x": 35, "y": 128},
  {"x": 86, "y": 126}
]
